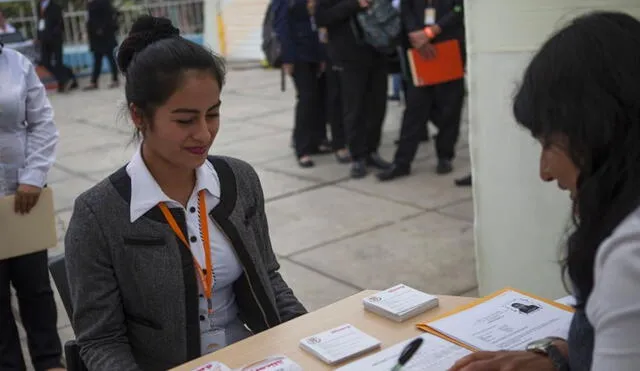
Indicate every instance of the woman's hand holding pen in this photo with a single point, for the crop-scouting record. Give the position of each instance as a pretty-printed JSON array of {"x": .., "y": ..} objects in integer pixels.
[
  {"x": 26, "y": 198},
  {"x": 504, "y": 361}
]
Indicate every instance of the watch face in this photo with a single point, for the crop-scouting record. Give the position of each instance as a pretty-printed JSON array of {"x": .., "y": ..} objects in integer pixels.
[{"x": 539, "y": 346}]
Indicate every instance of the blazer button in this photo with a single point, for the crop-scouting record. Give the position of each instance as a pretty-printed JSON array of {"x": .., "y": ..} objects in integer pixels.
[
  {"x": 193, "y": 239},
  {"x": 192, "y": 209}
]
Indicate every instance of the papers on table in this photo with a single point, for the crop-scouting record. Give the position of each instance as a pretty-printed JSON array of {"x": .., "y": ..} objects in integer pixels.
[
  {"x": 273, "y": 363},
  {"x": 507, "y": 320},
  {"x": 213, "y": 366},
  {"x": 569, "y": 301},
  {"x": 400, "y": 303},
  {"x": 339, "y": 344},
  {"x": 435, "y": 354}
]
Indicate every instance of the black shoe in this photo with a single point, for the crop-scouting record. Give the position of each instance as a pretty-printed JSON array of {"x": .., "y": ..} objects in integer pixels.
[
  {"x": 444, "y": 167},
  {"x": 344, "y": 158},
  {"x": 359, "y": 169},
  {"x": 378, "y": 162},
  {"x": 464, "y": 182},
  {"x": 393, "y": 172},
  {"x": 306, "y": 163}
]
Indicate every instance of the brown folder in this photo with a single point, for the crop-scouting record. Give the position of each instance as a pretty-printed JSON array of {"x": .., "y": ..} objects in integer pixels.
[
  {"x": 446, "y": 66},
  {"x": 28, "y": 233}
]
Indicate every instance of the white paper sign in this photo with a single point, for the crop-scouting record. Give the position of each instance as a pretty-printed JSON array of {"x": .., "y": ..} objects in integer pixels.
[
  {"x": 274, "y": 363},
  {"x": 400, "y": 299},
  {"x": 213, "y": 366}
]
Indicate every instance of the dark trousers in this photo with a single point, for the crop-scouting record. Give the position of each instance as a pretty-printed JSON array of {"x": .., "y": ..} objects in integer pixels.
[
  {"x": 308, "y": 115},
  {"x": 334, "y": 107},
  {"x": 364, "y": 101},
  {"x": 51, "y": 59},
  {"x": 442, "y": 104},
  {"x": 97, "y": 66},
  {"x": 29, "y": 275}
]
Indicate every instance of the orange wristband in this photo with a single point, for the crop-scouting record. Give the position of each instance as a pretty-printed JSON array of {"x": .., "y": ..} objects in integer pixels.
[{"x": 429, "y": 32}]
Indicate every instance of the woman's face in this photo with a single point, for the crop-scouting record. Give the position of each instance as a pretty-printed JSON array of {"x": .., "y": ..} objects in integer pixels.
[
  {"x": 556, "y": 164},
  {"x": 185, "y": 126}
]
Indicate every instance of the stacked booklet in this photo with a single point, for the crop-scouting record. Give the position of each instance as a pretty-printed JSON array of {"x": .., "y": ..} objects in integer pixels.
[
  {"x": 339, "y": 344},
  {"x": 400, "y": 303}
]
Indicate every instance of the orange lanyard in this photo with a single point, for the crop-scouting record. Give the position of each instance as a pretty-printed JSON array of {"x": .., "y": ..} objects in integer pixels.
[{"x": 206, "y": 280}]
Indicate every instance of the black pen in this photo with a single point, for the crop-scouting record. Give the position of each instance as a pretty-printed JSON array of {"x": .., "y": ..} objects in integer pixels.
[{"x": 407, "y": 353}]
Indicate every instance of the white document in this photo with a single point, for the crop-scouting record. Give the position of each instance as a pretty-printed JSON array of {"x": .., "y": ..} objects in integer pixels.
[
  {"x": 41, "y": 25},
  {"x": 339, "y": 344},
  {"x": 508, "y": 321},
  {"x": 435, "y": 354},
  {"x": 213, "y": 366},
  {"x": 273, "y": 363},
  {"x": 569, "y": 301},
  {"x": 400, "y": 301}
]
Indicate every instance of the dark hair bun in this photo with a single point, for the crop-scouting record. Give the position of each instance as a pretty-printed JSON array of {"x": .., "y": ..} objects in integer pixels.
[{"x": 145, "y": 31}]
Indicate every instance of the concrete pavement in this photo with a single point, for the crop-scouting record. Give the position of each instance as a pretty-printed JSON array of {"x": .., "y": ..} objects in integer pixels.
[{"x": 334, "y": 236}]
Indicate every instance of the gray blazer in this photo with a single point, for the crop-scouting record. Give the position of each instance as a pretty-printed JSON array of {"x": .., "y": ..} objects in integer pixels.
[{"x": 133, "y": 285}]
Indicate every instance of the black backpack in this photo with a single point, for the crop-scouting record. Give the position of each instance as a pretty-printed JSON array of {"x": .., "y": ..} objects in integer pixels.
[
  {"x": 380, "y": 26},
  {"x": 271, "y": 46}
]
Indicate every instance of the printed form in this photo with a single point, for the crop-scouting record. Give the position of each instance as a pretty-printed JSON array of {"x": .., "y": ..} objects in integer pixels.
[
  {"x": 508, "y": 321},
  {"x": 435, "y": 354}
]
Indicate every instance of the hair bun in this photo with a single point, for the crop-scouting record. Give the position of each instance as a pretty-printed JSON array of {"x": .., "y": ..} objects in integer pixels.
[{"x": 145, "y": 31}]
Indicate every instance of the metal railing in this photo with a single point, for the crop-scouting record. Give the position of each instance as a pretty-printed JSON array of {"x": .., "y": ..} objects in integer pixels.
[{"x": 187, "y": 15}]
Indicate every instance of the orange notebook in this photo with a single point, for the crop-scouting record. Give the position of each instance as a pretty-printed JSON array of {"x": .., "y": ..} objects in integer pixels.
[{"x": 446, "y": 66}]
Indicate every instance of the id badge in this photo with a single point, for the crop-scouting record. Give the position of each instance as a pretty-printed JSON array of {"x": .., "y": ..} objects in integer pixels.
[
  {"x": 41, "y": 25},
  {"x": 212, "y": 340},
  {"x": 429, "y": 16}
]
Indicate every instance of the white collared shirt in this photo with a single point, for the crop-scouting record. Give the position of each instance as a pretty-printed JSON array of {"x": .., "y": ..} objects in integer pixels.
[
  {"x": 146, "y": 194},
  {"x": 28, "y": 136}
]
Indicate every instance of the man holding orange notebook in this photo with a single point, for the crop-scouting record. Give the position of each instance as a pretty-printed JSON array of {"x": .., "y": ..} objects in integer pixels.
[{"x": 427, "y": 23}]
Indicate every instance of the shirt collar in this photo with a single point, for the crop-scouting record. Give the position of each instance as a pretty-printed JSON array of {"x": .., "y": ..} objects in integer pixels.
[
  {"x": 147, "y": 194},
  {"x": 45, "y": 4}
]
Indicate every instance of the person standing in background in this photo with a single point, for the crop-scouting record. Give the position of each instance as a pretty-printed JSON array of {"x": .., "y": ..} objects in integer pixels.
[
  {"x": 363, "y": 80},
  {"x": 51, "y": 38},
  {"x": 28, "y": 139},
  {"x": 5, "y": 27},
  {"x": 426, "y": 23},
  {"x": 303, "y": 60},
  {"x": 331, "y": 92},
  {"x": 102, "y": 26}
]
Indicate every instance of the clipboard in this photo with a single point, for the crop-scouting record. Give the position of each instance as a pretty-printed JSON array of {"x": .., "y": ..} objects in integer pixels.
[
  {"x": 28, "y": 233},
  {"x": 446, "y": 66}
]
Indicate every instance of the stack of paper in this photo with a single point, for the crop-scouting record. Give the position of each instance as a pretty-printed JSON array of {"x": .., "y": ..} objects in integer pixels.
[
  {"x": 213, "y": 366},
  {"x": 273, "y": 363},
  {"x": 506, "y": 320},
  {"x": 339, "y": 344},
  {"x": 435, "y": 354},
  {"x": 400, "y": 303}
]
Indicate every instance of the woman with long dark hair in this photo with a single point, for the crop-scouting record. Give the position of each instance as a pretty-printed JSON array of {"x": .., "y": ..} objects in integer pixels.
[{"x": 580, "y": 98}]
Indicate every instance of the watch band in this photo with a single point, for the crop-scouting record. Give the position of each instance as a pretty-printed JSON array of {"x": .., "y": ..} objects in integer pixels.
[{"x": 556, "y": 357}]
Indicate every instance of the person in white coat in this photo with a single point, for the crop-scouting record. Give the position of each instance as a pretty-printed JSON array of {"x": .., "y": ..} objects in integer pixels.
[{"x": 28, "y": 139}]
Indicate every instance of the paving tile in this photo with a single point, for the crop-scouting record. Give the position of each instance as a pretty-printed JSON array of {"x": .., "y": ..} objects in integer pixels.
[
  {"x": 423, "y": 188},
  {"x": 76, "y": 138},
  {"x": 259, "y": 150},
  {"x": 327, "y": 169},
  {"x": 314, "y": 290},
  {"x": 430, "y": 252},
  {"x": 99, "y": 160},
  {"x": 462, "y": 210},
  {"x": 276, "y": 184},
  {"x": 235, "y": 132},
  {"x": 62, "y": 222},
  {"x": 66, "y": 191},
  {"x": 325, "y": 214}
]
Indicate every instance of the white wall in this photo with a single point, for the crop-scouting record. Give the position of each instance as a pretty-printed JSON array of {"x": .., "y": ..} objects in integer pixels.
[{"x": 520, "y": 221}]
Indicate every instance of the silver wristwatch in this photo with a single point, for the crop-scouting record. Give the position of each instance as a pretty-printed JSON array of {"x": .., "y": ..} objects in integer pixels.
[{"x": 545, "y": 347}]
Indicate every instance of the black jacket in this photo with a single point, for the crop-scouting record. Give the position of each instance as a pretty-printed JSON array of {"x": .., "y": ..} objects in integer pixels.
[
  {"x": 449, "y": 16},
  {"x": 102, "y": 26},
  {"x": 296, "y": 33},
  {"x": 345, "y": 45},
  {"x": 54, "y": 23}
]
